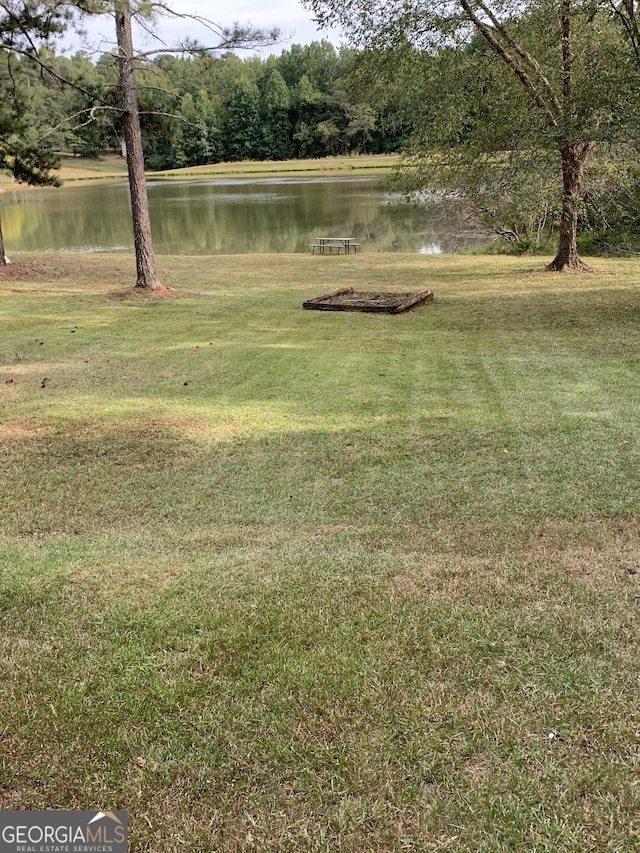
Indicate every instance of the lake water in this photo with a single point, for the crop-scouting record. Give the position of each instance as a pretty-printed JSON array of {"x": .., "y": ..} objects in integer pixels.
[{"x": 230, "y": 216}]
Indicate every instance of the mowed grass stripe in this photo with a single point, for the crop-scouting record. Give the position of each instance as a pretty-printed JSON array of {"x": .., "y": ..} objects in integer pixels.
[{"x": 340, "y": 588}]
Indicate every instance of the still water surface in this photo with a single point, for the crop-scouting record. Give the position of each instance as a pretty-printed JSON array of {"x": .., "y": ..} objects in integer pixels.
[{"x": 230, "y": 216}]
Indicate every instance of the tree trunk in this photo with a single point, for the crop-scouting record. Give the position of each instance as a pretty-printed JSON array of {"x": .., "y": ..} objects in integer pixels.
[
  {"x": 4, "y": 260},
  {"x": 574, "y": 158},
  {"x": 145, "y": 259}
]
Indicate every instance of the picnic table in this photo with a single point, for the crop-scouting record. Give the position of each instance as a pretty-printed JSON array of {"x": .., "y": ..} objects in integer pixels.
[{"x": 331, "y": 244}]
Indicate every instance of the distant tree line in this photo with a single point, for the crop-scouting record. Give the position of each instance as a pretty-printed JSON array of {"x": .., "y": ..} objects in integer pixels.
[{"x": 197, "y": 110}]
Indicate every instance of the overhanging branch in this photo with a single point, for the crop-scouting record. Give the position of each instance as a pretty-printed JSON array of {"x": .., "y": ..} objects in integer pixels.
[
  {"x": 524, "y": 54},
  {"x": 512, "y": 63}
]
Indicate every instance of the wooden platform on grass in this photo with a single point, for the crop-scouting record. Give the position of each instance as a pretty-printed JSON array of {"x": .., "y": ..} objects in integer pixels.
[{"x": 348, "y": 299}]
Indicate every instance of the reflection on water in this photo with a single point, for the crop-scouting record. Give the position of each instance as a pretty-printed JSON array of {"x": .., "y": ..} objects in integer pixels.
[{"x": 231, "y": 216}]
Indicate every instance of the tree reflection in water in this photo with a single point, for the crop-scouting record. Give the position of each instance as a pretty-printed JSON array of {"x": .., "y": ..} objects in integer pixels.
[{"x": 230, "y": 216}]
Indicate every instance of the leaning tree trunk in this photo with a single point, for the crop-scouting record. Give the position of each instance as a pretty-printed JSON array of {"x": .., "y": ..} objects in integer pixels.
[
  {"x": 574, "y": 158},
  {"x": 4, "y": 260},
  {"x": 147, "y": 276}
]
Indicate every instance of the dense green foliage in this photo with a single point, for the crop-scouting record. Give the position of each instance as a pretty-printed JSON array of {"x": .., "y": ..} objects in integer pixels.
[
  {"x": 24, "y": 153},
  {"x": 524, "y": 112},
  {"x": 24, "y": 113},
  {"x": 197, "y": 110},
  {"x": 473, "y": 136}
]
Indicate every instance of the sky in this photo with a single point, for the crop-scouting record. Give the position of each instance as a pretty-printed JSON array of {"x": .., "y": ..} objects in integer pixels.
[{"x": 290, "y": 16}]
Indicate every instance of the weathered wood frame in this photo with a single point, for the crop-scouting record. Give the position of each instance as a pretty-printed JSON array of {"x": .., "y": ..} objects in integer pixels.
[{"x": 404, "y": 301}]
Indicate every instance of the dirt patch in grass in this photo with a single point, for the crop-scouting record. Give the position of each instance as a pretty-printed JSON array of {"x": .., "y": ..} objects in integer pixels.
[{"x": 16, "y": 272}]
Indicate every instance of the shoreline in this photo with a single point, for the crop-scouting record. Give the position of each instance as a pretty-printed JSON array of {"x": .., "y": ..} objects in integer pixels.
[{"x": 79, "y": 170}]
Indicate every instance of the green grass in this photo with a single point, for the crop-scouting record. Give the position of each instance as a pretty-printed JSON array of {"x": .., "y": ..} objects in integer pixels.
[
  {"x": 370, "y": 163},
  {"x": 81, "y": 169},
  {"x": 335, "y": 577}
]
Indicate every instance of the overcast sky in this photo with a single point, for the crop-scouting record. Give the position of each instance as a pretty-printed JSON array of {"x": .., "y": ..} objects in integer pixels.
[{"x": 288, "y": 15}]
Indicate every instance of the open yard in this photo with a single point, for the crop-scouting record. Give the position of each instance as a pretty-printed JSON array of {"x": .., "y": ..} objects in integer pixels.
[{"x": 286, "y": 580}]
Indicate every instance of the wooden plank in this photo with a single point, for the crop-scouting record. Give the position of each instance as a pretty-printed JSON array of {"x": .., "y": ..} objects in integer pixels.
[
  {"x": 313, "y": 303},
  {"x": 412, "y": 299},
  {"x": 333, "y": 306},
  {"x": 367, "y": 301}
]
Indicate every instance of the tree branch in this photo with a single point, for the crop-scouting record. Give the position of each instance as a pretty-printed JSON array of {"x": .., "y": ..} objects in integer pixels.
[
  {"x": 92, "y": 117},
  {"x": 43, "y": 65},
  {"x": 511, "y": 62},
  {"x": 567, "y": 58},
  {"x": 233, "y": 36},
  {"x": 629, "y": 21},
  {"x": 522, "y": 53},
  {"x": 171, "y": 115}
]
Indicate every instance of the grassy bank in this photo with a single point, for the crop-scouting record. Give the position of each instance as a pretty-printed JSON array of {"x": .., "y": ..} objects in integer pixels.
[
  {"x": 82, "y": 169},
  {"x": 79, "y": 169},
  {"x": 369, "y": 164},
  {"x": 304, "y": 581}
]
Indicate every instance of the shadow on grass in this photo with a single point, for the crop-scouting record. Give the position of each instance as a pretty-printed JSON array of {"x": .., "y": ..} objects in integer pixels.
[{"x": 337, "y": 594}]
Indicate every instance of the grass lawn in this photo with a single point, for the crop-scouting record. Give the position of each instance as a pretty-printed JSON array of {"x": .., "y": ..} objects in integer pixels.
[
  {"x": 367, "y": 163},
  {"x": 74, "y": 169},
  {"x": 82, "y": 169},
  {"x": 286, "y": 580}
]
